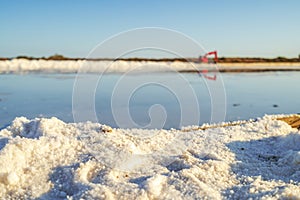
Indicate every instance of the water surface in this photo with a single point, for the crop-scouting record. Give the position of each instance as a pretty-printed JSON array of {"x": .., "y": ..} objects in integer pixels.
[{"x": 248, "y": 95}]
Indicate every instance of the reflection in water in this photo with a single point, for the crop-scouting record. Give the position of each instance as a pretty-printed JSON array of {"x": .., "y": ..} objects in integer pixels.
[{"x": 249, "y": 95}]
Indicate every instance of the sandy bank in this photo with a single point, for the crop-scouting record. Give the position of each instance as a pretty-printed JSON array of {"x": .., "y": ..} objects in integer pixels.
[{"x": 258, "y": 67}]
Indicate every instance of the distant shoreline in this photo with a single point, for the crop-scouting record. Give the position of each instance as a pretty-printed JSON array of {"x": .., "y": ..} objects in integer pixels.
[
  {"x": 221, "y": 60},
  {"x": 141, "y": 65}
]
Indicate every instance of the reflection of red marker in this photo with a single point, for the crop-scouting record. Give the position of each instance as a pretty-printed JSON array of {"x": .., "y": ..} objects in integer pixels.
[
  {"x": 205, "y": 59},
  {"x": 204, "y": 74}
]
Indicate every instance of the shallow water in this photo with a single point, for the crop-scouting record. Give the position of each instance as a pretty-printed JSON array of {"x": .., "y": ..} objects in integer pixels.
[{"x": 246, "y": 95}]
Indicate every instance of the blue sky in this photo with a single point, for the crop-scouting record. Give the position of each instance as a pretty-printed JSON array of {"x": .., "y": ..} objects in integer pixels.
[{"x": 266, "y": 28}]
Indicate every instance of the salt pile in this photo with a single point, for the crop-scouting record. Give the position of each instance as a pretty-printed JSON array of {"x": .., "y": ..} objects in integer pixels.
[
  {"x": 49, "y": 159},
  {"x": 73, "y": 66}
]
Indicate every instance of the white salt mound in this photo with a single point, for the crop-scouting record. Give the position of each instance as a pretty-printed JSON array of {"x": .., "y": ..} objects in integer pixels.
[{"x": 49, "y": 159}]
